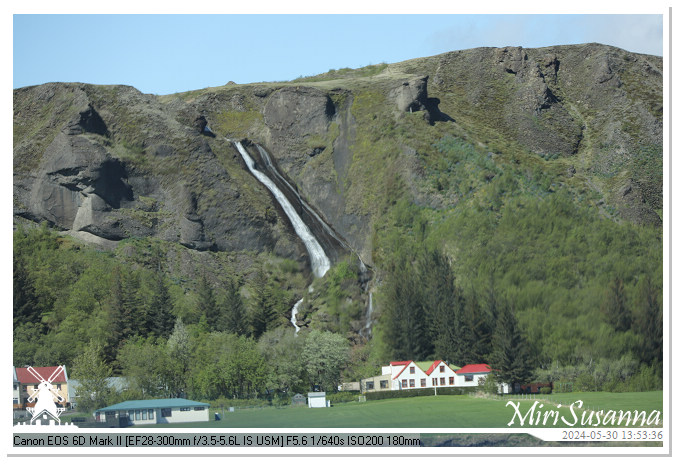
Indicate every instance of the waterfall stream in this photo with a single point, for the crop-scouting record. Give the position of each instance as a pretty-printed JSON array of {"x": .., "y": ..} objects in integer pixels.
[
  {"x": 320, "y": 263},
  {"x": 293, "y": 319}
]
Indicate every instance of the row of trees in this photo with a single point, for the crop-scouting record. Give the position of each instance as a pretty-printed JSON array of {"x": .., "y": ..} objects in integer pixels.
[{"x": 214, "y": 365}]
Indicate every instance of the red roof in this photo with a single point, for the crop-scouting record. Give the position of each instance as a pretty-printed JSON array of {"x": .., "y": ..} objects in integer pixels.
[
  {"x": 433, "y": 366},
  {"x": 24, "y": 376},
  {"x": 474, "y": 369},
  {"x": 400, "y": 363}
]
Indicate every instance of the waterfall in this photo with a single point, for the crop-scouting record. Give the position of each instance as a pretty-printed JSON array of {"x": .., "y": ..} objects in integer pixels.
[
  {"x": 320, "y": 263},
  {"x": 328, "y": 230},
  {"x": 369, "y": 314},
  {"x": 293, "y": 319}
]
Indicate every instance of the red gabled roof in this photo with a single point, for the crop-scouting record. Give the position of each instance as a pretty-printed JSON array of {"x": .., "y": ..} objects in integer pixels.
[
  {"x": 400, "y": 363},
  {"x": 433, "y": 366},
  {"x": 474, "y": 369},
  {"x": 24, "y": 376}
]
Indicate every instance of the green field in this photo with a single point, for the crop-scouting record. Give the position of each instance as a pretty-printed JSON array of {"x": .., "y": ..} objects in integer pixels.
[{"x": 431, "y": 411}]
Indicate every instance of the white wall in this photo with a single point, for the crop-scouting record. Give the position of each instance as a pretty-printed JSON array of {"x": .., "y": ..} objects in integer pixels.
[
  {"x": 184, "y": 416},
  {"x": 317, "y": 402}
]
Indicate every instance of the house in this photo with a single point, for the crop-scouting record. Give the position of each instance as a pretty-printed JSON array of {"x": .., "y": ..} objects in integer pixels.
[
  {"x": 408, "y": 375},
  {"x": 28, "y": 383},
  {"x": 405, "y": 375},
  {"x": 158, "y": 411}
]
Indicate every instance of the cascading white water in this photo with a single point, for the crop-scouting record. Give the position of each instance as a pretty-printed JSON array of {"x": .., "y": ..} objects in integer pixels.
[
  {"x": 270, "y": 166},
  {"x": 293, "y": 319},
  {"x": 320, "y": 263},
  {"x": 369, "y": 314}
]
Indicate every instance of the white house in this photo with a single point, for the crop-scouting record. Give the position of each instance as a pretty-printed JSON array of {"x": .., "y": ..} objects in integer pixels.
[
  {"x": 407, "y": 375},
  {"x": 159, "y": 411}
]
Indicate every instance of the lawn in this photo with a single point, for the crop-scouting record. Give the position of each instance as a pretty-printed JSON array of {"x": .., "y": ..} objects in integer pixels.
[{"x": 430, "y": 411}]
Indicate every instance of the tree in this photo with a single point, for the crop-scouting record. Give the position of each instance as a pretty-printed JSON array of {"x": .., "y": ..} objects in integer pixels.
[
  {"x": 143, "y": 363},
  {"x": 509, "y": 358},
  {"x": 326, "y": 354},
  {"x": 178, "y": 351},
  {"x": 206, "y": 301},
  {"x": 615, "y": 308},
  {"x": 234, "y": 318},
  {"x": 161, "y": 311},
  {"x": 649, "y": 322},
  {"x": 263, "y": 310},
  {"x": 91, "y": 372}
]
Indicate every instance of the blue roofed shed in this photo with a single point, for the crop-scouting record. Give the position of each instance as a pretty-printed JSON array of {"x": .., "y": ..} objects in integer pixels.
[{"x": 158, "y": 411}]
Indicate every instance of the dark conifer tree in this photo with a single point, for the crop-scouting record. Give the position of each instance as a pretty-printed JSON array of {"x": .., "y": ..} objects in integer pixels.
[
  {"x": 509, "y": 357},
  {"x": 234, "y": 317},
  {"x": 615, "y": 308}
]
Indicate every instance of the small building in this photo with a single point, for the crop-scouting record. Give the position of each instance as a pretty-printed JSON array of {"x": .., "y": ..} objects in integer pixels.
[
  {"x": 350, "y": 386},
  {"x": 317, "y": 400},
  {"x": 158, "y": 411},
  {"x": 377, "y": 383},
  {"x": 299, "y": 400}
]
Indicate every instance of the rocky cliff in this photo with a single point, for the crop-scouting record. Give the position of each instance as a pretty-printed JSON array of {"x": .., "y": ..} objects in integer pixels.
[{"x": 108, "y": 162}]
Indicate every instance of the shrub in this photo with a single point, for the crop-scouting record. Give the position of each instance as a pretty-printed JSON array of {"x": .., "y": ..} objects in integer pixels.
[
  {"x": 546, "y": 390},
  {"x": 382, "y": 395},
  {"x": 342, "y": 397}
]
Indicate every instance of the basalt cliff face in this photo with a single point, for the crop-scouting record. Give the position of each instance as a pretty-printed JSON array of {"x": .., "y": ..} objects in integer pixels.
[{"x": 107, "y": 163}]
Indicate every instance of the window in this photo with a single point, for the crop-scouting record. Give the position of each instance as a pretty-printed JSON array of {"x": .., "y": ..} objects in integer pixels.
[
  {"x": 451, "y": 381},
  {"x": 58, "y": 386},
  {"x": 16, "y": 387},
  {"x": 137, "y": 414},
  {"x": 442, "y": 369},
  {"x": 404, "y": 383},
  {"x": 412, "y": 383},
  {"x": 143, "y": 414},
  {"x": 150, "y": 414},
  {"x": 383, "y": 384},
  {"x": 370, "y": 385},
  {"x": 443, "y": 381},
  {"x": 434, "y": 382},
  {"x": 122, "y": 414},
  {"x": 110, "y": 413},
  {"x": 423, "y": 383},
  {"x": 184, "y": 409},
  {"x": 199, "y": 408},
  {"x": 166, "y": 412},
  {"x": 468, "y": 378},
  {"x": 412, "y": 369}
]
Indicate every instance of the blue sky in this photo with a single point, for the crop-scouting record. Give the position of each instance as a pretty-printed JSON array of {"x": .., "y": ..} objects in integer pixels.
[{"x": 163, "y": 54}]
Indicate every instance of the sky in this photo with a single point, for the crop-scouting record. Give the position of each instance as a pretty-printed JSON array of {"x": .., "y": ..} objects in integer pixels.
[{"x": 163, "y": 54}]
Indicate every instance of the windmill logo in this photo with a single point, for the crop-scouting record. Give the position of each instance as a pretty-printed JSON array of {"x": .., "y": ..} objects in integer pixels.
[{"x": 45, "y": 406}]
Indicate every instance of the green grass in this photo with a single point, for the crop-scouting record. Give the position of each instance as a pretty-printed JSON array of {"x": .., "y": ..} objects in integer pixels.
[{"x": 433, "y": 412}]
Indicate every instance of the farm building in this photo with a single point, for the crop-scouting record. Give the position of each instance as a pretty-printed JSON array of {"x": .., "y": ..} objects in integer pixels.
[
  {"x": 159, "y": 411},
  {"x": 407, "y": 375}
]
